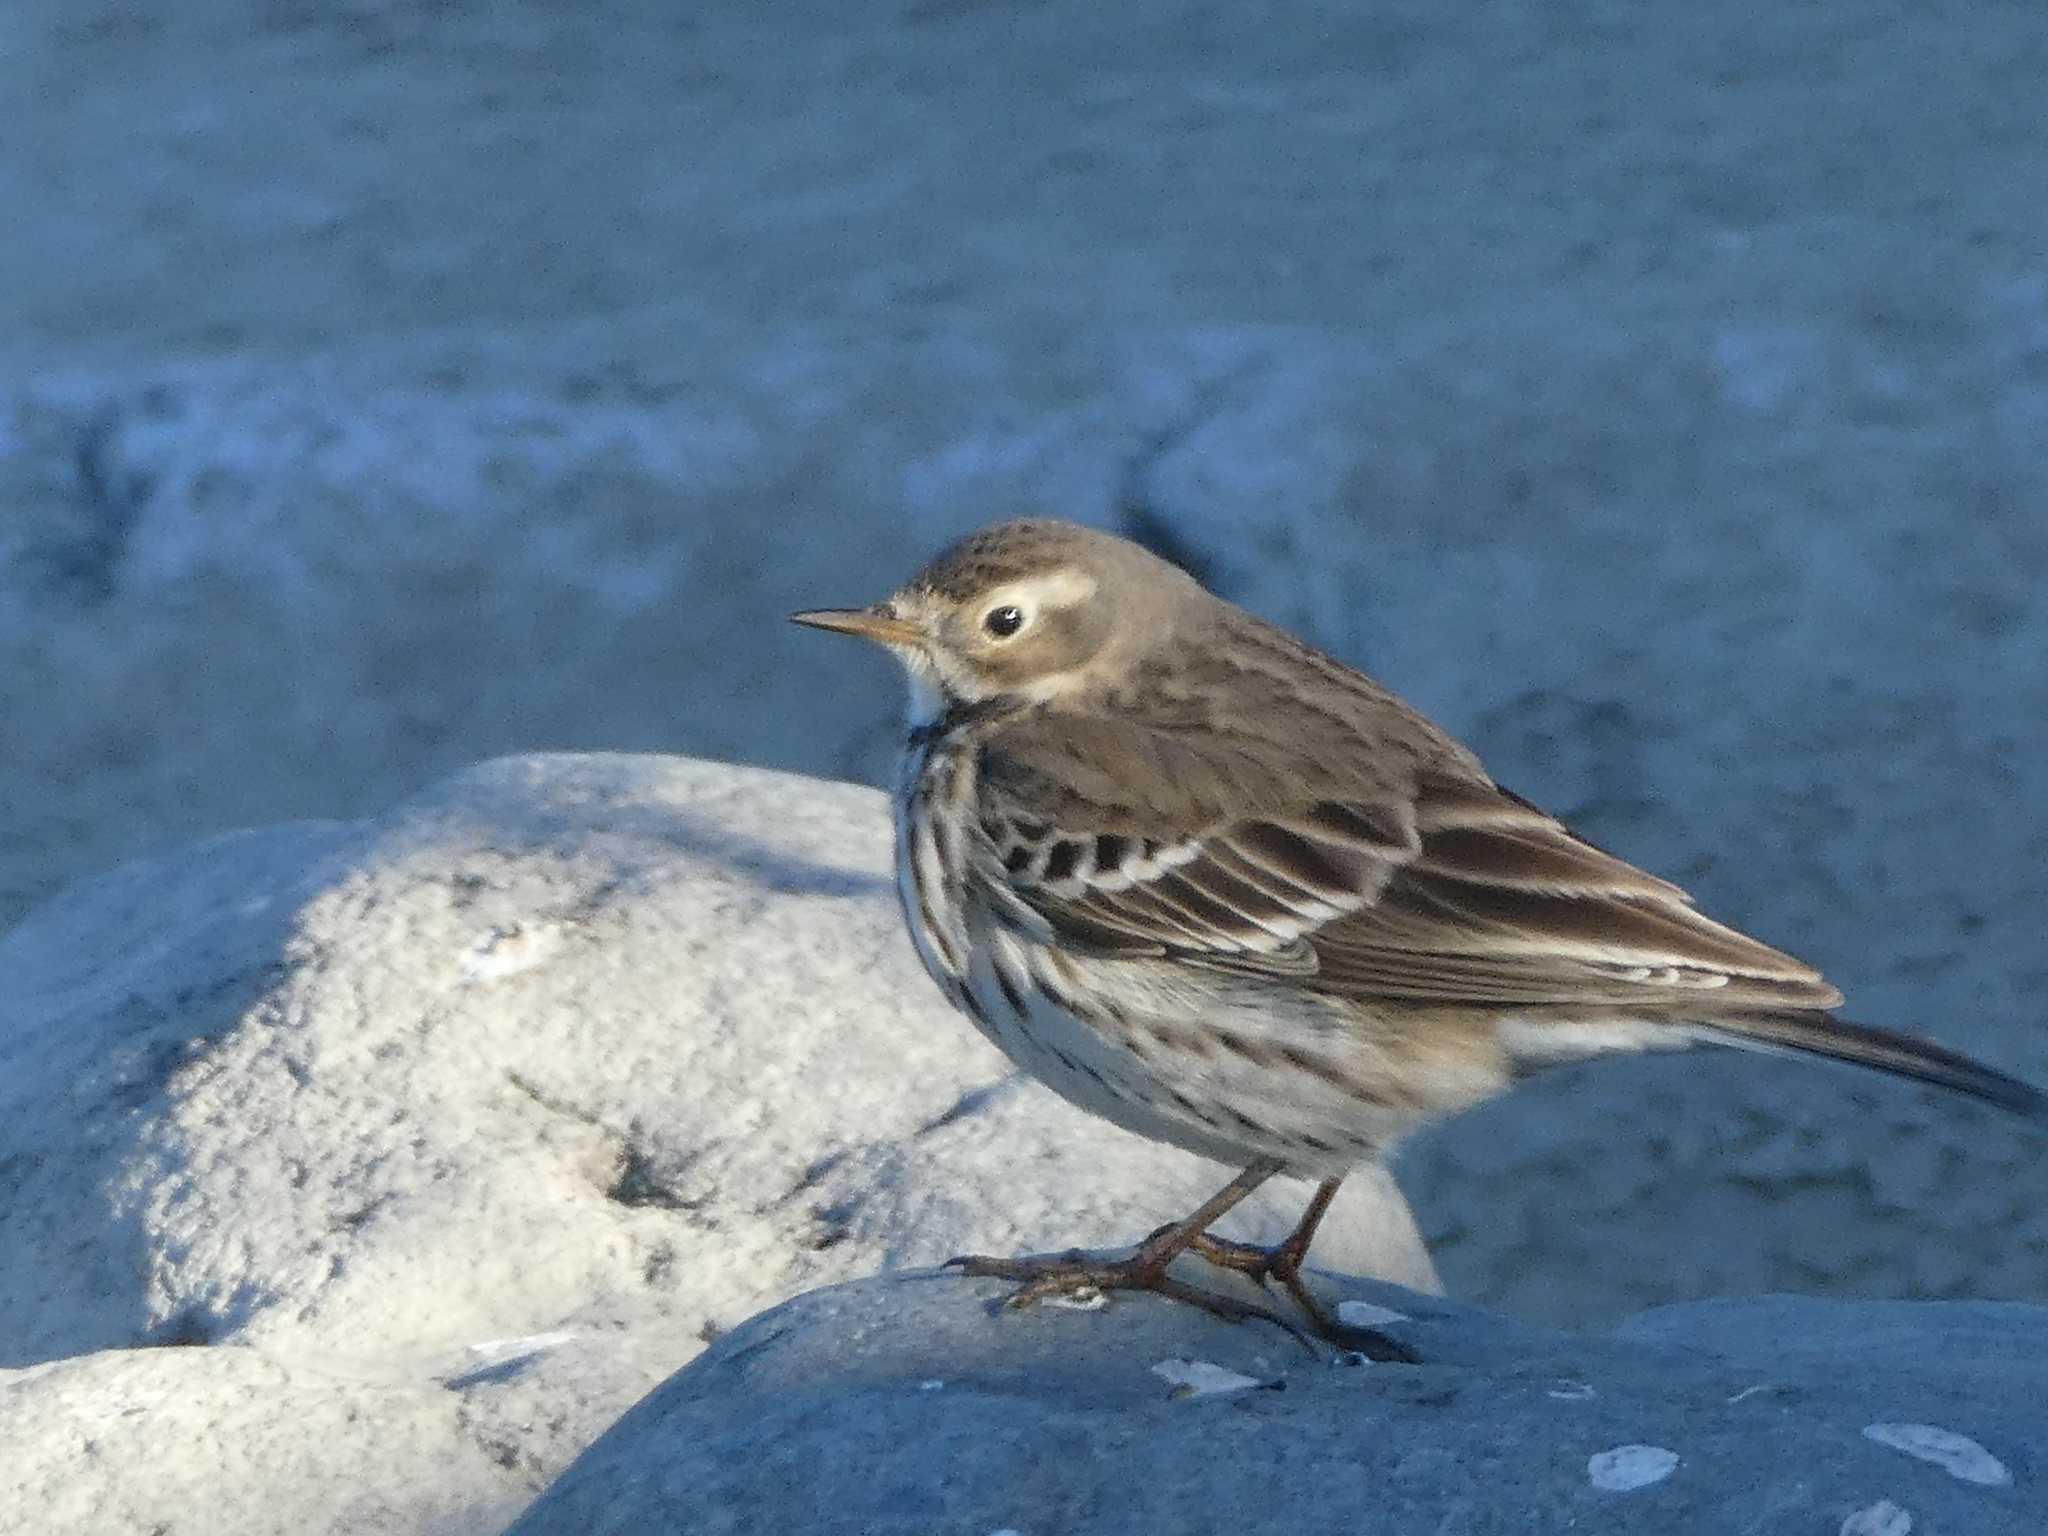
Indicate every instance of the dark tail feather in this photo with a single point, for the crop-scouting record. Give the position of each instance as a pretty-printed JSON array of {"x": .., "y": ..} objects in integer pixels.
[{"x": 1822, "y": 1034}]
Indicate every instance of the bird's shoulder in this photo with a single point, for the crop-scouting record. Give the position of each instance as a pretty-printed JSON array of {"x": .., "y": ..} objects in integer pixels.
[{"x": 1186, "y": 738}]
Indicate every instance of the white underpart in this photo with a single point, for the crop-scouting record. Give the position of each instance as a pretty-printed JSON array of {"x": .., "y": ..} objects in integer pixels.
[
  {"x": 1090, "y": 1066},
  {"x": 1543, "y": 1043},
  {"x": 924, "y": 701},
  {"x": 1054, "y": 1047}
]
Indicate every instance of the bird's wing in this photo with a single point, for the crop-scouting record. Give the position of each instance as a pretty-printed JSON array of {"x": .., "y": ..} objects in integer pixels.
[{"x": 1407, "y": 879}]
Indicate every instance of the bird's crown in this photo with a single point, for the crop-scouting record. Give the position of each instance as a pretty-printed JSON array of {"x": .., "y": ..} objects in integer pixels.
[{"x": 1028, "y": 608}]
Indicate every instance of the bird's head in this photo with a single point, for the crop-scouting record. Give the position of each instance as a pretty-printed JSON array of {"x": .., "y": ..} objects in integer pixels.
[{"x": 1026, "y": 610}]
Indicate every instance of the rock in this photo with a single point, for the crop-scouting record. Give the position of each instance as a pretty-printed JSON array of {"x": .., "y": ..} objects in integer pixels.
[
  {"x": 507, "y": 1101},
  {"x": 240, "y": 1442},
  {"x": 907, "y": 1404}
]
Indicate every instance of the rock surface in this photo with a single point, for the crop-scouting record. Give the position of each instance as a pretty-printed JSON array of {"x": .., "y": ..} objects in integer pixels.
[
  {"x": 907, "y": 1405},
  {"x": 449, "y": 1134},
  {"x": 241, "y": 1442}
]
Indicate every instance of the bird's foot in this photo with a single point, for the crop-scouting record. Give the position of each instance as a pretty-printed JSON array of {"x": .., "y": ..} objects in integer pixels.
[
  {"x": 1076, "y": 1278},
  {"x": 1282, "y": 1263}
]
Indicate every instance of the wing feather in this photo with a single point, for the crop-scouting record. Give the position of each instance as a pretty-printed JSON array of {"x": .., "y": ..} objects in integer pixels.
[{"x": 1437, "y": 885}]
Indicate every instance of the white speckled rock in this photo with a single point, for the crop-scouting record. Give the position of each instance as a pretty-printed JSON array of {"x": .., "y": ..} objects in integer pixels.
[
  {"x": 527, "y": 1088},
  {"x": 907, "y": 1406}
]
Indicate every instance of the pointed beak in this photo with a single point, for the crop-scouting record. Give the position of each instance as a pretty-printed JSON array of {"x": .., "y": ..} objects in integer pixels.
[{"x": 877, "y": 624}]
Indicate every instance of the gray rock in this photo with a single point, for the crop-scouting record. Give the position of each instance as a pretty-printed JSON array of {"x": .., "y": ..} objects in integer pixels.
[{"x": 909, "y": 1405}]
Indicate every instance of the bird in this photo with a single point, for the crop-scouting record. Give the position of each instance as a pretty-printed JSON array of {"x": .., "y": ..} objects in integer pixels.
[{"x": 1229, "y": 893}]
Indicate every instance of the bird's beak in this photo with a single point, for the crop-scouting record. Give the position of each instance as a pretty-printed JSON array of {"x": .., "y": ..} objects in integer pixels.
[{"x": 877, "y": 624}]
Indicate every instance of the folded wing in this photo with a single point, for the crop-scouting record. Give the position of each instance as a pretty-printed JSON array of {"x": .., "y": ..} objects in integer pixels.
[{"x": 1411, "y": 880}]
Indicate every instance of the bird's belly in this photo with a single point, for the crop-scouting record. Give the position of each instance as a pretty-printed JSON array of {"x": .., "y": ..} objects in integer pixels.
[{"x": 1178, "y": 1061}]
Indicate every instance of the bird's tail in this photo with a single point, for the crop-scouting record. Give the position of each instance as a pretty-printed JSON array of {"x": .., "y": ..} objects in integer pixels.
[{"x": 1822, "y": 1034}]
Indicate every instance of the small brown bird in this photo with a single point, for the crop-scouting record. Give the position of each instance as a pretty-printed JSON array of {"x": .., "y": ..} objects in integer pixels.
[{"x": 1231, "y": 894}]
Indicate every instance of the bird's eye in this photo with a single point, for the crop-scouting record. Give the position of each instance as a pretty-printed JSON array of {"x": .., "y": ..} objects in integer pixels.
[{"x": 1003, "y": 622}]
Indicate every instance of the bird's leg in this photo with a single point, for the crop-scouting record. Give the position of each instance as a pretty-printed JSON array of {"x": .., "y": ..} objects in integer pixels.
[
  {"x": 1283, "y": 1263},
  {"x": 1145, "y": 1270},
  {"x": 1280, "y": 1261}
]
